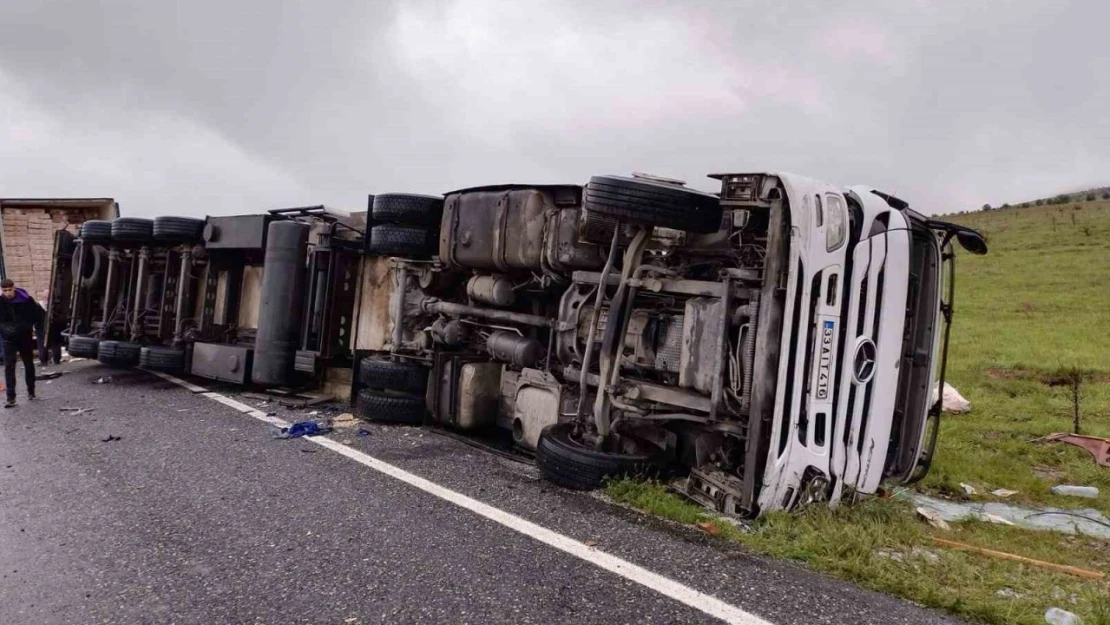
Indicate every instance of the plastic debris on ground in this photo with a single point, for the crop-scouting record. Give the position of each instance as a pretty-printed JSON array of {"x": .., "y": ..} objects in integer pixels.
[
  {"x": 1090, "y": 492},
  {"x": 104, "y": 380},
  {"x": 1003, "y": 492},
  {"x": 953, "y": 402},
  {"x": 933, "y": 517},
  {"x": 301, "y": 428},
  {"x": 968, "y": 488},
  {"x": 1056, "y": 616},
  {"x": 1086, "y": 521}
]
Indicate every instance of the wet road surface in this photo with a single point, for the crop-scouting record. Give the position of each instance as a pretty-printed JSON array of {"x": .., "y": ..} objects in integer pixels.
[{"x": 197, "y": 515}]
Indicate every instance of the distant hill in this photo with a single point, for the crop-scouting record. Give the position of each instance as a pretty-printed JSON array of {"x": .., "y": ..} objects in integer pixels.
[{"x": 1087, "y": 195}]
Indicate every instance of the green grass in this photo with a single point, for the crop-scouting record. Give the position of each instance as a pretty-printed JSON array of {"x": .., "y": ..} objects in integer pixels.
[
  {"x": 880, "y": 545},
  {"x": 1037, "y": 305}
]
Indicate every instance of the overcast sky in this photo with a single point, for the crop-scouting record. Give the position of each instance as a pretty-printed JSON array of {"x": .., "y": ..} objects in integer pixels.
[{"x": 226, "y": 106}]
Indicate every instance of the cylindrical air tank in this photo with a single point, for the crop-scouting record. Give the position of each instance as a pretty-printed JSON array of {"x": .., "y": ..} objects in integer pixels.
[{"x": 282, "y": 295}]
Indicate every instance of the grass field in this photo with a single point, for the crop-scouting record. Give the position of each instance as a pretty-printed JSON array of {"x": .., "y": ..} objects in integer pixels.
[{"x": 1033, "y": 311}]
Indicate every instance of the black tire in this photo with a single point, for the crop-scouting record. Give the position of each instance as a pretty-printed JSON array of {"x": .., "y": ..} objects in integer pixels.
[
  {"x": 653, "y": 204},
  {"x": 132, "y": 230},
  {"x": 178, "y": 229},
  {"x": 118, "y": 354},
  {"x": 408, "y": 210},
  {"x": 381, "y": 407},
  {"x": 565, "y": 462},
  {"x": 404, "y": 241},
  {"x": 82, "y": 346},
  {"x": 97, "y": 231},
  {"x": 167, "y": 359},
  {"x": 382, "y": 373},
  {"x": 96, "y": 263}
]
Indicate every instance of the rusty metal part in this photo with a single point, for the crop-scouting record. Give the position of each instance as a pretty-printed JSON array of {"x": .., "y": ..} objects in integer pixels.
[
  {"x": 431, "y": 304},
  {"x": 1099, "y": 447},
  {"x": 620, "y": 310},
  {"x": 595, "y": 316},
  {"x": 491, "y": 290}
]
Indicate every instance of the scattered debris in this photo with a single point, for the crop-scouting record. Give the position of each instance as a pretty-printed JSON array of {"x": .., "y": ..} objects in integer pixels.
[
  {"x": 1059, "y": 595},
  {"x": 48, "y": 375},
  {"x": 896, "y": 556},
  {"x": 1090, "y": 492},
  {"x": 933, "y": 518},
  {"x": 302, "y": 428},
  {"x": 1086, "y": 521},
  {"x": 74, "y": 411},
  {"x": 591, "y": 543},
  {"x": 304, "y": 400},
  {"x": 1056, "y": 616},
  {"x": 994, "y": 518},
  {"x": 1008, "y": 593},
  {"x": 709, "y": 528},
  {"x": 314, "y": 413},
  {"x": 103, "y": 380},
  {"x": 1099, "y": 447},
  {"x": 111, "y": 437},
  {"x": 1002, "y": 555},
  {"x": 362, "y": 432},
  {"x": 305, "y": 450},
  {"x": 968, "y": 489},
  {"x": 344, "y": 421},
  {"x": 1004, "y": 493},
  {"x": 953, "y": 402}
]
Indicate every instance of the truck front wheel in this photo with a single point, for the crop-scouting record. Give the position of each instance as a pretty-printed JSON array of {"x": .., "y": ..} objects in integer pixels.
[{"x": 571, "y": 464}]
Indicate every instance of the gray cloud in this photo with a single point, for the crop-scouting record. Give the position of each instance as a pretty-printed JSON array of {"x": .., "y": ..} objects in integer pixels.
[{"x": 219, "y": 107}]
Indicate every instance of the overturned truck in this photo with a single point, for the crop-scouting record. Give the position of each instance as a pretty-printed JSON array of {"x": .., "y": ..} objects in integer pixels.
[{"x": 776, "y": 342}]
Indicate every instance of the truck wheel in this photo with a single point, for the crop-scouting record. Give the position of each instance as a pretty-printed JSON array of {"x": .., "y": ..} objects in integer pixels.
[
  {"x": 383, "y": 407},
  {"x": 178, "y": 229},
  {"x": 410, "y": 210},
  {"x": 82, "y": 346},
  {"x": 404, "y": 241},
  {"x": 568, "y": 463},
  {"x": 118, "y": 354},
  {"x": 97, "y": 231},
  {"x": 165, "y": 359},
  {"x": 97, "y": 255},
  {"x": 653, "y": 204},
  {"x": 132, "y": 229},
  {"x": 382, "y": 373}
]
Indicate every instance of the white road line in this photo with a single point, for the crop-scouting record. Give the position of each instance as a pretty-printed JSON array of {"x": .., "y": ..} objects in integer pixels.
[{"x": 664, "y": 585}]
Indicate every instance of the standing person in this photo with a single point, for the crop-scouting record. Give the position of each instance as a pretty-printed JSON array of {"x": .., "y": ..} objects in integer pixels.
[{"x": 19, "y": 315}]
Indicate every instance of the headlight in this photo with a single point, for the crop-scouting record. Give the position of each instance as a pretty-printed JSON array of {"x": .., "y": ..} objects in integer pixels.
[{"x": 836, "y": 222}]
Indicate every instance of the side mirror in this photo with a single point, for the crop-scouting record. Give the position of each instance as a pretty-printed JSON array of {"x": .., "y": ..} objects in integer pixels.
[{"x": 972, "y": 241}]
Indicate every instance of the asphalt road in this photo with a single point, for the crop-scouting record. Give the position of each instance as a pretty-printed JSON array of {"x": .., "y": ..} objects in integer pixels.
[{"x": 197, "y": 515}]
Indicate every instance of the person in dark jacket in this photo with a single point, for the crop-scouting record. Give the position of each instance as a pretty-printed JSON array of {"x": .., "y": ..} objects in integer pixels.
[{"x": 19, "y": 315}]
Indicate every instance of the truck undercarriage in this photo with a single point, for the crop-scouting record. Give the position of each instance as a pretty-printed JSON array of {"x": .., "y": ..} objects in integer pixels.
[{"x": 775, "y": 342}]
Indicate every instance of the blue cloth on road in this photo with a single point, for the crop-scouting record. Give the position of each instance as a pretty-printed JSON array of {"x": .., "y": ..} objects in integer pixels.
[{"x": 302, "y": 428}]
